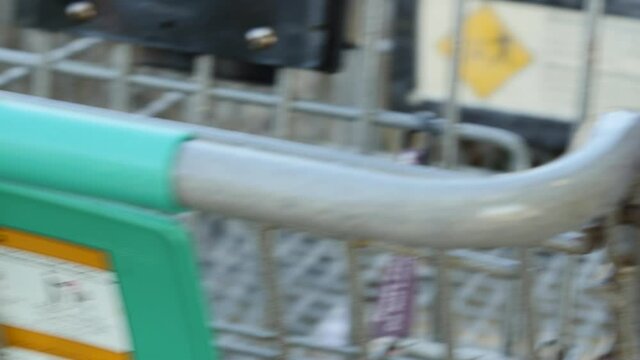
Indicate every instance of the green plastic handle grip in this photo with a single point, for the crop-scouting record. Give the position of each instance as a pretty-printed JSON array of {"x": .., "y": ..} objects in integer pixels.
[{"x": 88, "y": 154}]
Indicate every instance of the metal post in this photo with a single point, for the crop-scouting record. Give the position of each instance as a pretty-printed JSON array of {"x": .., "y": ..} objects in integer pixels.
[
  {"x": 341, "y": 94},
  {"x": 356, "y": 295},
  {"x": 444, "y": 322},
  {"x": 283, "y": 126},
  {"x": 452, "y": 111},
  {"x": 529, "y": 325},
  {"x": 119, "y": 89},
  {"x": 42, "y": 77},
  {"x": 509, "y": 320},
  {"x": 567, "y": 302},
  {"x": 624, "y": 250},
  {"x": 369, "y": 79},
  {"x": 197, "y": 104},
  {"x": 628, "y": 342},
  {"x": 272, "y": 308},
  {"x": 594, "y": 10}
]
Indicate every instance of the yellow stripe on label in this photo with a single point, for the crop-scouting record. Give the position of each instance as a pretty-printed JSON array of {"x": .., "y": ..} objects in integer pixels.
[
  {"x": 56, "y": 346},
  {"x": 54, "y": 248}
]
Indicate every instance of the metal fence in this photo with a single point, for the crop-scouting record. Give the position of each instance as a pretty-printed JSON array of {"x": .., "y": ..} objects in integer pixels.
[{"x": 278, "y": 293}]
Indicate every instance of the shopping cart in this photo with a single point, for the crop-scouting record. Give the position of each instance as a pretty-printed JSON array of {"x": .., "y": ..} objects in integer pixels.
[{"x": 505, "y": 269}]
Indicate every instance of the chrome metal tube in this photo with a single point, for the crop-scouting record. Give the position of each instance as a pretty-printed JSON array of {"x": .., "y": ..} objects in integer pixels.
[{"x": 523, "y": 208}]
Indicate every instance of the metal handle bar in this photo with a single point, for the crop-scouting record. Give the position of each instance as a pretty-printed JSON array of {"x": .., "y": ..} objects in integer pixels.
[{"x": 332, "y": 199}]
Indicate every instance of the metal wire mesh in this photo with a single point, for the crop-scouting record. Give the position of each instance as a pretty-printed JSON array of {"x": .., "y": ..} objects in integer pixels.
[{"x": 314, "y": 290}]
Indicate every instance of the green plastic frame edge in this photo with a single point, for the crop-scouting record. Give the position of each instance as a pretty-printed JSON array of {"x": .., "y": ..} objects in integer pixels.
[
  {"x": 47, "y": 145},
  {"x": 151, "y": 253}
]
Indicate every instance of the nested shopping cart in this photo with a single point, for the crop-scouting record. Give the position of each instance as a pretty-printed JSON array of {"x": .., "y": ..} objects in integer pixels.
[{"x": 300, "y": 207}]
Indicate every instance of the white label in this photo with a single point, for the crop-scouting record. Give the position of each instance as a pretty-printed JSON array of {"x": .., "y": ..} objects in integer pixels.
[{"x": 50, "y": 303}]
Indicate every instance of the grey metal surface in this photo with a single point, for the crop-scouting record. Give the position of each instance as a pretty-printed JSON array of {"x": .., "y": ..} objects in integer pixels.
[{"x": 327, "y": 198}]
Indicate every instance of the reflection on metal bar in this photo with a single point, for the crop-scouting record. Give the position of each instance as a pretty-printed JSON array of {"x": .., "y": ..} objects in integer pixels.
[
  {"x": 85, "y": 69},
  {"x": 352, "y": 351},
  {"x": 576, "y": 243},
  {"x": 253, "y": 333},
  {"x": 327, "y": 198},
  {"x": 161, "y": 104},
  {"x": 246, "y": 331},
  {"x": 73, "y": 48},
  {"x": 236, "y": 347},
  {"x": 429, "y": 350},
  {"x": 483, "y": 262},
  {"x": 13, "y": 74}
]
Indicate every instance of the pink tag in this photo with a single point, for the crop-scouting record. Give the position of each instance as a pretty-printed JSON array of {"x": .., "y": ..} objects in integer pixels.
[{"x": 394, "y": 310}]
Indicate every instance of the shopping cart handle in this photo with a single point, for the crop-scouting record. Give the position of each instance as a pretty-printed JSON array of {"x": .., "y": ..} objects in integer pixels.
[{"x": 337, "y": 200}]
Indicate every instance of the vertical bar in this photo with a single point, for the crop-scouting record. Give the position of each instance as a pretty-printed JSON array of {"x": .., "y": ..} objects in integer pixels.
[
  {"x": 41, "y": 79},
  {"x": 629, "y": 343},
  {"x": 369, "y": 80},
  {"x": 594, "y": 10},
  {"x": 7, "y": 11},
  {"x": 283, "y": 127},
  {"x": 342, "y": 93},
  {"x": 198, "y": 103},
  {"x": 625, "y": 253},
  {"x": 119, "y": 89},
  {"x": 509, "y": 323},
  {"x": 452, "y": 110},
  {"x": 356, "y": 296},
  {"x": 567, "y": 302},
  {"x": 444, "y": 317},
  {"x": 273, "y": 309},
  {"x": 528, "y": 321}
]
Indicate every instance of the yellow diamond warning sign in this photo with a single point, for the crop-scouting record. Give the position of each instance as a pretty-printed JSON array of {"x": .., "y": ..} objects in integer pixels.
[{"x": 490, "y": 54}]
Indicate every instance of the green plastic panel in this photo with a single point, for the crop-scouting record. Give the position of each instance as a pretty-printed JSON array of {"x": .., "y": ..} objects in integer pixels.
[
  {"x": 87, "y": 154},
  {"x": 151, "y": 253}
]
